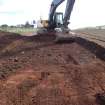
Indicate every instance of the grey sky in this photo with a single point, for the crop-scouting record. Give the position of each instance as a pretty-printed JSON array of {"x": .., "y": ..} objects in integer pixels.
[{"x": 85, "y": 12}]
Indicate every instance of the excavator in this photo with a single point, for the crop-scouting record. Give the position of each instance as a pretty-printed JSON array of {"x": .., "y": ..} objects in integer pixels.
[
  {"x": 57, "y": 19},
  {"x": 57, "y": 22}
]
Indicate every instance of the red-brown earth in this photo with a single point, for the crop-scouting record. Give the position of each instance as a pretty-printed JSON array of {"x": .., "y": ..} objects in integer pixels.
[{"x": 36, "y": 71}]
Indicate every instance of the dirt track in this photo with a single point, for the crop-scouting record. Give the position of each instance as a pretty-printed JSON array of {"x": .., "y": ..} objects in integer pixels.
[{"x": 36, "y": 71}]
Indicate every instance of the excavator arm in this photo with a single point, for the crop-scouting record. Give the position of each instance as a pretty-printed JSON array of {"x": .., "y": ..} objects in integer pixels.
[
  {"x": 53, "y": 14},
  {"x": 69, "y": 8}
]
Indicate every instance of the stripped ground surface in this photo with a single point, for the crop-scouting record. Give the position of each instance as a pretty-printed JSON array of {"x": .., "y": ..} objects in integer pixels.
[{"x": 36, "y": 71}]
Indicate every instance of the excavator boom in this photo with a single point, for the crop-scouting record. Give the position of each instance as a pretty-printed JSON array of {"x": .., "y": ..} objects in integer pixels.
[{"x": 53, "y": 14}]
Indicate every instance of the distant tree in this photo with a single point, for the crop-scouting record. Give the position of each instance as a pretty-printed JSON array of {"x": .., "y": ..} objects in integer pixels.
[
  {"x": 4, "y": 25},
  {"x": 34, "y": 22},
  {"x": 22, "y": 25},
  {"x": 32, "y": 26},
  {"x": 12, "y": 26},
  {"x": 18, "y": 25},
  {"x": 27, "y": 24}
]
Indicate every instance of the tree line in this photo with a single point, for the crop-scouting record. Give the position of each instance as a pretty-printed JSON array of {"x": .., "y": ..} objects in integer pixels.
[{"x": 26, "y": 25}]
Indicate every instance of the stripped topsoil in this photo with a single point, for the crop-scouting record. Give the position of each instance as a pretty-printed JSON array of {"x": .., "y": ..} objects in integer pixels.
[{"x": 36, "y": 71}]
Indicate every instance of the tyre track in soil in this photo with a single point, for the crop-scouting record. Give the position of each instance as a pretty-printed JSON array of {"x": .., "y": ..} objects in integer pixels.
[
  {"x": 29, "y": 87},
  {"x": 16, "y": 85}
]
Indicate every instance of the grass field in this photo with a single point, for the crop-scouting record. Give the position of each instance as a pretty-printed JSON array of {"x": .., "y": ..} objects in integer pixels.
[{"x": 18, "y": 30}]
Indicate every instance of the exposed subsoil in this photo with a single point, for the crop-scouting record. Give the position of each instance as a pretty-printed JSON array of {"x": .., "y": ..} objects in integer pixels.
[{"x": 36, "y": 71}]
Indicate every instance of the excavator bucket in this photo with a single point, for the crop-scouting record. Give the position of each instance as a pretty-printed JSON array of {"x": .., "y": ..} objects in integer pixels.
[{"x": 64, "y": 38}]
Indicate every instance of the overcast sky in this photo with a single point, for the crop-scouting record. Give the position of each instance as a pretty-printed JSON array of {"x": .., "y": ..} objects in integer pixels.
[{"x": 85, "y": 13}]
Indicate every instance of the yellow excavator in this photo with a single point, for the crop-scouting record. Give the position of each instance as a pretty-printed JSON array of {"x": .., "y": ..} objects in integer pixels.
[
  {"x": 57, "y": 22},
  {"x": 57, "y": 19}
]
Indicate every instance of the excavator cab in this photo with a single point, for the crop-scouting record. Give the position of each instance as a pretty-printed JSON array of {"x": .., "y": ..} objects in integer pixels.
[{"x": 58, "y": 19}]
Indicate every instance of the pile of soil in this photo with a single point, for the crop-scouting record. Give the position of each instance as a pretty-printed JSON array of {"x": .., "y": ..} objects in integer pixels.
[{"x": 36, "y": 71}]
